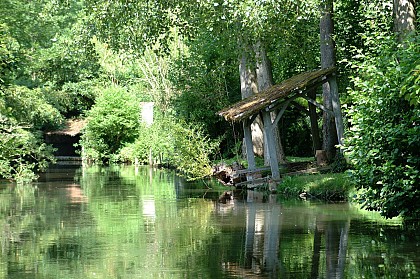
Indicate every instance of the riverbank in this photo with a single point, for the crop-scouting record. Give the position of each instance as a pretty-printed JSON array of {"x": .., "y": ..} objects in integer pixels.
[
  {"x": 326, "y": 187},
  {"x": 302, "y": 179}
]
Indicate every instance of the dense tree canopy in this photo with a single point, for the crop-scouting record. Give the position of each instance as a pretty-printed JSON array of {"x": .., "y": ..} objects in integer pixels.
[{"x": 97, "y": 59}]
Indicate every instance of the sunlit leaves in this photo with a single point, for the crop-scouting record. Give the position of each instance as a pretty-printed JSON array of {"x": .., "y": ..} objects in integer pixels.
[
  {"x": 112, "y": 121},
  {"x": 22, "y": 152},
  {"x": 383, "y": 143}
]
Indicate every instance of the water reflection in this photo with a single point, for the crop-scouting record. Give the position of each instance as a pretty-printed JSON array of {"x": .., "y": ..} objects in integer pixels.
[{"x": 126, "y": 222}]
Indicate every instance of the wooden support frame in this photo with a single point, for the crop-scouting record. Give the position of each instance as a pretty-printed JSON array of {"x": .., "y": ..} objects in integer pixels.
[
  {"x": 315, "y": 103},
  {"x": 284, "y": 104},
  {"x": 316, "y": 140},
  {"x": 250, "y": 156},
  {"x": 279, "y": 97}
]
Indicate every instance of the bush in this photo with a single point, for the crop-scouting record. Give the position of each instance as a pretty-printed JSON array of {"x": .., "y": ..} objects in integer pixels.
[
  {"x": 30, "y": 106},
  {"x": 112, "y": 122},
  {"x": 22, "y": 153},
  {"x": 176, "y": 143},
  {"x": 23, "y": 113},
  {"x": 383, "y": 144}
]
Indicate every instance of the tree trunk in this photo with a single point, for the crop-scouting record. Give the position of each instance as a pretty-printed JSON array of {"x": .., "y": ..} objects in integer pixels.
[
  {"x": 404, "y": 18},
  {"x": 265, "y": 80},
  {"x": 326, "y": 25},
  {"x": 248, "y": 88}
]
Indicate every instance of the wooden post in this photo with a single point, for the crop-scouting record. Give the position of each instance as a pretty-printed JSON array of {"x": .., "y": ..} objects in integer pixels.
[
  {"x": 271, "y": 144},
  {"x": 336, "y": 106},
  {"x": 250, "y": 157},
  {"x": 314, "y": 122}
]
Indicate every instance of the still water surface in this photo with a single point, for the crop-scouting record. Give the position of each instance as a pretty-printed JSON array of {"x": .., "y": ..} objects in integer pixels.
[{"x": 123, "y": 222}]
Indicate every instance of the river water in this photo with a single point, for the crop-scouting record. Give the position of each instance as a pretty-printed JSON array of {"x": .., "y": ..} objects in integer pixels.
[{"x": 127, "y": 222}]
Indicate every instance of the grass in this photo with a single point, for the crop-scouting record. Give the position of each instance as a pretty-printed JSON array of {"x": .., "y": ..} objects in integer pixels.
[
  {"x": 327, "y": 187},
  {"x": 299, "y": 159}
]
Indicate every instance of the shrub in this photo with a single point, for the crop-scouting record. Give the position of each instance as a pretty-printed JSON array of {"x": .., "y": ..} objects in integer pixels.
[
  {"x": 383, "y": 144},
  {"x": 112, "y": 122},
  {"x": 22, "y": 153},
  {"x": 176, "y": 143},
  {"x": 30, "y": 106}
]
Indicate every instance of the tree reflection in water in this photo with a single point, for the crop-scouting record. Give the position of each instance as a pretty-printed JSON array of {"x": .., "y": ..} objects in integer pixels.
[
  {"x": 127, "y": 222},
  {"x": 263, "y": 236}
]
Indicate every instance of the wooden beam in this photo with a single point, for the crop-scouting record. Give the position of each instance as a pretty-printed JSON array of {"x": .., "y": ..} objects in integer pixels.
[
  {"x": 252, "y": 118},
  {"x": 301, "y": 108},
  {"x": 315, "y": 103},
  {"x": 281, "y": 112},
  {"x": 255, "y": 170}
]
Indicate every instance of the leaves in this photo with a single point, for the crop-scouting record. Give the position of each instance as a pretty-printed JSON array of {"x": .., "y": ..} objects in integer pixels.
[
  {"x": 112, "y": 122},
  {"x": 382, "y": 143}
]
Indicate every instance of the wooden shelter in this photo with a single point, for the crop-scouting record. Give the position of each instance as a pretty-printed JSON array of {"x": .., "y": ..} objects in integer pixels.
[
  {"x": 277, "y": 98},
  {"x": 64, "y": 139}
]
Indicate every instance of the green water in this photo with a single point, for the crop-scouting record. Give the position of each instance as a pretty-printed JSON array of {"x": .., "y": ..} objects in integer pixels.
[{"x": 123, "y": 222}]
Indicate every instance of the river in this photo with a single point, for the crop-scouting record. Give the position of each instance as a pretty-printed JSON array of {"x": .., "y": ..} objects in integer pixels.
[{"x": 128, "y": 222}]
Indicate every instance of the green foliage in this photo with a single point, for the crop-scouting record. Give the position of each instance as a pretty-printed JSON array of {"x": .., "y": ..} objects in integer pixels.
[
  {"x": 207, "y": 79},
  {"x": 30, "y": 106},
  {"x": 22, "y": 152},
  {"x": 176, "y": 143},
  {"x": 383, "y": 144},
  {"x": 192, "y": 150},
  {"x": 74, "y": 98},
  {"x": 355, "y": 24},
  {"x": 8, "y": 55},
  {"x": 154, "y": 71},
  {"x": 112, "y": 122},
  {"x": 327, "y": 187}
]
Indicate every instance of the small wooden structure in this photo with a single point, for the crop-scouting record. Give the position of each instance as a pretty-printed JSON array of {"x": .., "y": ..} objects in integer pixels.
[
  {"x": 64, "y": 139},
  {"x": 277, "y": 98}
]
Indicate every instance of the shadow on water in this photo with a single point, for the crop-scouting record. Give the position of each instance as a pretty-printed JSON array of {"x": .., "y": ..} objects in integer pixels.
[{"x": 127, "y": 222}]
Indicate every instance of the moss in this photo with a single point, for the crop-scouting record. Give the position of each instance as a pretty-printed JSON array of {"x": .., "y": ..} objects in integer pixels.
[{"x": 328, "y": 187}]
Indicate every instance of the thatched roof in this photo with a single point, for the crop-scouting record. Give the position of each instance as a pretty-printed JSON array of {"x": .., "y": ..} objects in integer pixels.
[
  {"x": 72, "y": 127},
  {"x": 255, "y": 103}
]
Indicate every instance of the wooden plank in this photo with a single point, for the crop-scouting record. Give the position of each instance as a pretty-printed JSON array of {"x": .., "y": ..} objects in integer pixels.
[
  {"x": 244, "y": 171},
  {"x": 255, "y": 181},
  {"x": 315, "y": 103}
]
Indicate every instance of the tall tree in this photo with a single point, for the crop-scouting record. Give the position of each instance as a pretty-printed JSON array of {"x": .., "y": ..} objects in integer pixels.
[
  {"x": 332, "y": 124},
  {"x": 265, "y": 80},
  {"x": 404, "y": 17},
  {"x": 249, "y": 88}
]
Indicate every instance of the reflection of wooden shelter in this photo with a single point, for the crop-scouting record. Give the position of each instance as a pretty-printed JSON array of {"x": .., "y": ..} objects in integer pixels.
[{"x": 277, "y": 98}]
